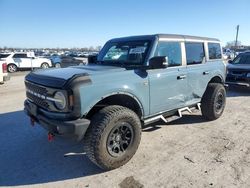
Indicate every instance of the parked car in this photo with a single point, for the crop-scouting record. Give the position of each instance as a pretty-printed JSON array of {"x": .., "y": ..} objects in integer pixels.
[
  {"x": 3, "y": 72},
  {"x": 134, "y": 82},
  {"x": 228, "y": 54},
  {"x": 22, "y": 60},
  {"x": 56, "y": 61},
  {"x": 239, "y": 51},
  {"x": 238, "y": 70},
  {"x": 67, "y": 61}
]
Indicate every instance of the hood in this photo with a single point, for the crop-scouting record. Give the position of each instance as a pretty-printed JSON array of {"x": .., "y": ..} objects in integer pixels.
[
  {"x": 58, "y": 78},
  {"x": 238, "y": 67}
]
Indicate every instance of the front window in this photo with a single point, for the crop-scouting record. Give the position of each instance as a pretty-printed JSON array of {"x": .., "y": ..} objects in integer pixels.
[
  {"x": 124, "y": 53},
  {"x": 172, "y": 50},
  {"x": 20, "y": 56}
]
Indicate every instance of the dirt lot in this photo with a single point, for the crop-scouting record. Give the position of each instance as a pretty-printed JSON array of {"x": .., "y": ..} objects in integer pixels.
[{"x": 186, "y": 153}]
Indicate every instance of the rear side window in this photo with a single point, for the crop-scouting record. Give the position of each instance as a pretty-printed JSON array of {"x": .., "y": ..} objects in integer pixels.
[
  {"x": 172, "y": 50},
  {"x": 194, "y": 53},
  {"x": 4, "y": 55},
  {"x": 214, "y": 51},
  {"x": 20, "y": 56}
]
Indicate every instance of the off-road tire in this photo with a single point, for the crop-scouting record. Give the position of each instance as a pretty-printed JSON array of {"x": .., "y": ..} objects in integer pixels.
[
  {"x": 213, "y": 93},
  {"x": 11, "y": 68},
  {"x": 96, "y": 138}
]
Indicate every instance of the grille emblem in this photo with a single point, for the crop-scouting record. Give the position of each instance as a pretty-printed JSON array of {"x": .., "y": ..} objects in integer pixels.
[{"x": 36, "y": 94}]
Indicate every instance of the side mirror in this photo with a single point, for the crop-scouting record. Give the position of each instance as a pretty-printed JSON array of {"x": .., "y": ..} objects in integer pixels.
[
  {"x": 92, "y": 59},
  {"x": 230, "y": 61},
  {"x": 158, "y": 62}
]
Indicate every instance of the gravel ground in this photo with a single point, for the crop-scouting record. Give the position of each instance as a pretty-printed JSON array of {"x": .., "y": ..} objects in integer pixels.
[{"x": 188, "y": 152}]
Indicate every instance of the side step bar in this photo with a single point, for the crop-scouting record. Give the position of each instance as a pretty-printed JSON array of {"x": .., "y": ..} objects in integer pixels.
[{"x": 174, "y": 117}]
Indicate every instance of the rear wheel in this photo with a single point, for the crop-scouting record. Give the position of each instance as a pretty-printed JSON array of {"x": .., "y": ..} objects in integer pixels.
[
  {"x": 12, "y": 68},
  {"x": 113, "y": 137},
  {"x": 45, "y": 65},
  {"x": 213, "y": 101}
]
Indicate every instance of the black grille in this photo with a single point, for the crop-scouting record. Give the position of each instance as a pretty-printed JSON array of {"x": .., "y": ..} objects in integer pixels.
[
  {"x": 238, "y": 72},
  {"x": 31, "y": 92},
  {"x": 234, "y": 79},
  {"x": 35, "y": 88}
]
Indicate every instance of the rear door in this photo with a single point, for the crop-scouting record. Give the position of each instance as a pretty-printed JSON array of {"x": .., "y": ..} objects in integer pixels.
[
  {"x": 168, "y": 86},
  {"x": 198, "y": 71},
  {"x": 21, "y": 60}
]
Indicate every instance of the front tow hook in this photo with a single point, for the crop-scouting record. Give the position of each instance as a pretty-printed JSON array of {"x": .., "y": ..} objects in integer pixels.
[
  {"x": 32, "y": 121},
  {"x": 50, "y": 137}
]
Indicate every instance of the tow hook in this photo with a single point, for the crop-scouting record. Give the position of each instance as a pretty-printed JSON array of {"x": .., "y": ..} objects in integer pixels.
[
  {"x": 32, "y": 121},
  {"x": 50, "y": 137}
]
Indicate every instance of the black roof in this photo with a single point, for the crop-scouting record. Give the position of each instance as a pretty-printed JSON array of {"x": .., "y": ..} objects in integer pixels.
[{"x": 151, "y": 37}]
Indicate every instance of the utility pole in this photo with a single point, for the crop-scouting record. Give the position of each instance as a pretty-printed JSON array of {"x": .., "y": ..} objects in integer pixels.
[{"x": 237, "y": 32}]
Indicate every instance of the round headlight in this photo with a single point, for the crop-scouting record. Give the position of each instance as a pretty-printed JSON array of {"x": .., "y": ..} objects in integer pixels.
[{"x": 60, "y": 100}]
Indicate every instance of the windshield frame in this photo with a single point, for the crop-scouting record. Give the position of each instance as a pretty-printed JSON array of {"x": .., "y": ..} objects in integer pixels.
[{"x": 111, "y": 43}]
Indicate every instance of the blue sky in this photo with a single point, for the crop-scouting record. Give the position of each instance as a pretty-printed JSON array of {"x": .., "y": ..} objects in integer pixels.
[{"x": 81, "y": 23}]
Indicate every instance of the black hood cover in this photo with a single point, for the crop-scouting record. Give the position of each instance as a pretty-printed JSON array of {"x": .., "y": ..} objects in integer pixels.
[{"x": 53, "y": 82}]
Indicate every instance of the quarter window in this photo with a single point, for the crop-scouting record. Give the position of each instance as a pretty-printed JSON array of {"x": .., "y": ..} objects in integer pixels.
[
  {"x": 214, "y": 51},
  {"x": 172, "y": 50},
  {"x": 194, "y": 52}
]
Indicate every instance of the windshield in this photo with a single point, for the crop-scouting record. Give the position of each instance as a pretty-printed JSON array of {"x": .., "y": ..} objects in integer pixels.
[
  {"x": 242, "y": 59},
  {"x": 124, "y": 53}
]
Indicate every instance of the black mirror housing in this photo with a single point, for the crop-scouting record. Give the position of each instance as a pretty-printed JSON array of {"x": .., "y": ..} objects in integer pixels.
[
  {"x": 230, "y": 61},
  {"x": 158, "y": 62}
]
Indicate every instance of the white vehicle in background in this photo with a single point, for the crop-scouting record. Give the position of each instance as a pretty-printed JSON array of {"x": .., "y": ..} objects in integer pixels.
[
  {"x": 24, "y": 60},
  {"x": 228, "y": 54},
  {"x": 3, "y": 72}
]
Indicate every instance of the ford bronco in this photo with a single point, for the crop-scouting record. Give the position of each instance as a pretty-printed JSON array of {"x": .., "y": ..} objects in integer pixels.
[{"x": 133, "y": 82}]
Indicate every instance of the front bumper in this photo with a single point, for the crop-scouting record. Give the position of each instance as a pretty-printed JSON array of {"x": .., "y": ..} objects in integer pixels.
[{"x": 74, "y": 129}]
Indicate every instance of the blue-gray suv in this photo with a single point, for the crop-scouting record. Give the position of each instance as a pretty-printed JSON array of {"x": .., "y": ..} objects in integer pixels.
[{"x": 133, "y": 82}]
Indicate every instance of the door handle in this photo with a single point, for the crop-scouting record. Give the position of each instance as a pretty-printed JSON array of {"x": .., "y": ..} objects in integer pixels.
[
  {"x": 181, "y": 77},
  {"x": 206, "y": 73}
]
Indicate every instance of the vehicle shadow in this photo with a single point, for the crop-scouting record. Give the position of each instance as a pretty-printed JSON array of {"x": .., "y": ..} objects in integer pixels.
[
  {"x": 187, "y": 119},
  {"x": 236, "y": 91},
  {"x": 27, "y": 157}
]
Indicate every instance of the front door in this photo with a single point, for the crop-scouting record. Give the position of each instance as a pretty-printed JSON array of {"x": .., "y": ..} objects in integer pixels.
[{"x": 22, "y": 60}]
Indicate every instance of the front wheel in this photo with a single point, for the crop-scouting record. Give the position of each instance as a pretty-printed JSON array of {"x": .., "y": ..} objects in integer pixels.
[
  {"x": 213, "y": 101},
  {"x": 45, "y": 65},
  {"x": 113, "y": 137}
]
